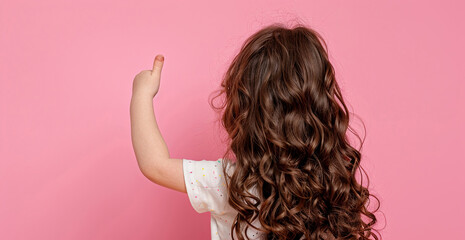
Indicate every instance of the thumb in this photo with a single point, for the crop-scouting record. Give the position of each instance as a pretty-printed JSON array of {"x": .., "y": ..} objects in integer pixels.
[{"x": 158, "y": 65}]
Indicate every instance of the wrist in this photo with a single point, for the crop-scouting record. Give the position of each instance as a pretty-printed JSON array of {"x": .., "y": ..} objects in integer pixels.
[
  {"x": 138, "y": 101},
  {"x": 141, "y": 97}
]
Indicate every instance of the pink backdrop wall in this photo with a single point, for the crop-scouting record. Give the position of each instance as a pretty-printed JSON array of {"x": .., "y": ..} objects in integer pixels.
[{"x": 67, "y": 167}]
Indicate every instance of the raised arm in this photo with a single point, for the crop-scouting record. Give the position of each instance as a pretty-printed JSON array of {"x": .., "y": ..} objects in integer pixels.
[{"x": 149, "y": 146}]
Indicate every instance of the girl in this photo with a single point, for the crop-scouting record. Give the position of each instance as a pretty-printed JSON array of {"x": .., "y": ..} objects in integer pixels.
[{"x": 289, "y": 171}]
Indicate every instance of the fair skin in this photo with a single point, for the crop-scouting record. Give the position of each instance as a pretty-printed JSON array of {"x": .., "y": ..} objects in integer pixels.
[{"x": 149, "y": 146}]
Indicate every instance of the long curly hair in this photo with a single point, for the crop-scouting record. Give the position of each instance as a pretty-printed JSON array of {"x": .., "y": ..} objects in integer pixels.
[{"x": 287, "y": 133}]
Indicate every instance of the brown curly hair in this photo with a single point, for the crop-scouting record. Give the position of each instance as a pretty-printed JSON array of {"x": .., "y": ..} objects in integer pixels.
[{"x": 288, "y": 135}]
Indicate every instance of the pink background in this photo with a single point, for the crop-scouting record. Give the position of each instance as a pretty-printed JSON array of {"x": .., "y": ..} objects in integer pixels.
[{"x": 67, "y": 167}]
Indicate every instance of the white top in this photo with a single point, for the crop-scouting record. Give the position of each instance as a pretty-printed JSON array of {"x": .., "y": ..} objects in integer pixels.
[{"x": 207, "y": 192}]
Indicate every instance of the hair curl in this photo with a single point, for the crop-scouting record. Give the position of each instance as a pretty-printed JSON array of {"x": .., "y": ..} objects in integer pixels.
[{"x": 288, "y": 135}]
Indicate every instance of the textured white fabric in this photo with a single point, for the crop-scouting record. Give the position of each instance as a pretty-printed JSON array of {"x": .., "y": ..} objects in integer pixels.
[{"x": 206, "y": 189}]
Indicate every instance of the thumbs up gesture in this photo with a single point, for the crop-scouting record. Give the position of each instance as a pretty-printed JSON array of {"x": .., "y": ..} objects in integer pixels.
[{"x": 147, "y": 82}]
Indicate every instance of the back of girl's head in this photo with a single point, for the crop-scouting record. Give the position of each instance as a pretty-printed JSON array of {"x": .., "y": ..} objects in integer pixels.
[{"x": 287, "y": 122}]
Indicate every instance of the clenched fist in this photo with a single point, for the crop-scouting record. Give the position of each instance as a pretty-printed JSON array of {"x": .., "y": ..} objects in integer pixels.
[{"x": 147, "y": 82}]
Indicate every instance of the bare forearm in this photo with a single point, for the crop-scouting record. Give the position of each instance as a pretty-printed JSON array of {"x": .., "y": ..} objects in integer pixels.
[{"x": 148, "y": 143}]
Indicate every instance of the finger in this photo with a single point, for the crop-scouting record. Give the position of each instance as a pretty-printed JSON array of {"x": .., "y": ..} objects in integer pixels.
[{"x": 158, "y": 64}]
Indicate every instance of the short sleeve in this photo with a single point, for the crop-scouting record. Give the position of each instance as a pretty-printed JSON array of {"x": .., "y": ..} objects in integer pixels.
[{"x": 205, "y": 185}]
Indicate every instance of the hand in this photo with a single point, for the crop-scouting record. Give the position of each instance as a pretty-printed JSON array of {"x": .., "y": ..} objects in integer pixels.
[{"x": 147, "y": 82}]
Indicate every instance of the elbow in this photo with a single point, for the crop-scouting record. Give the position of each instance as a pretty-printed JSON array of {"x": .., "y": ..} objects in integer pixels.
[{"x": 149, "y": 171}]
